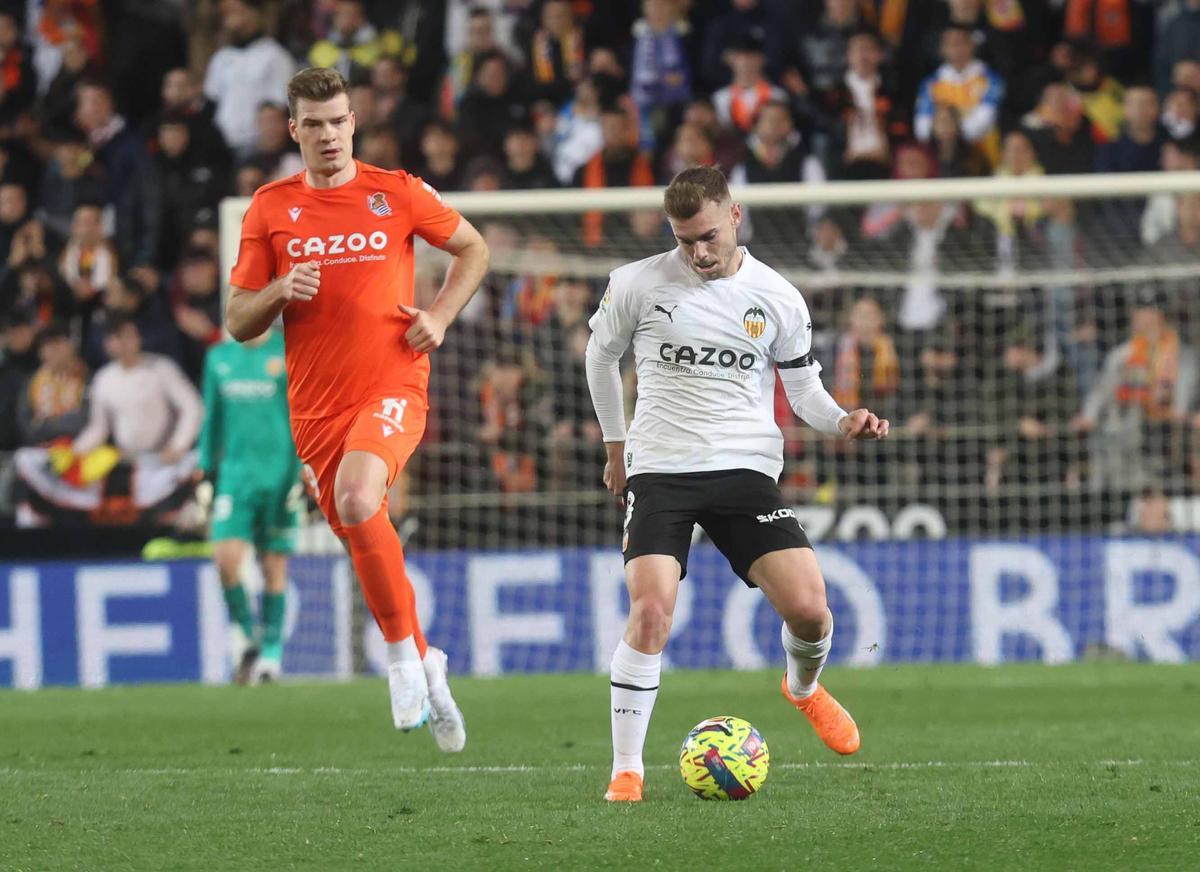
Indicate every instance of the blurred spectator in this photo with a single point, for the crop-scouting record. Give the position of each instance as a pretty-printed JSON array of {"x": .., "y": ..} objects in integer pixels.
[
  {"x": 55, "y": 26},
  {"x": 556, "y": 55},
  {"x": 142, "y": 403},
  {"x": 353, "y": 45},
  {"x": 1016, "y": 220},
  {"x": 189, "y": 184},
  {"x": 33, "y": 286},
  {"x": 774, "y": 152},
  {"x": 247, "y": 179},
  {"x": 58, "y": 101},
  {"x": 133, "y": 184},
  {"x": 484, "y": 173},
  {"x": 53, "y": 404},
  {"x": 1181, "y": 245},
  {"x": 16, "y": 68},
  {"x": 616, "y": 165},
  {"x": 1144, "y": 391},
  {"x": 955, "y": 157},
  {"x": 274, "y": 149},
  {"x": 577, "y": 132},
  {"x": 858, "y": 116},
  {"x": 18, "y": 361},
  {"x": 728, "y": 143},
  {"x": 1139, "y": 146},
  {"x": 439, "y": 164},
  {"x": 738, "y": 103},
  {"x": 509, "y": 430},
  {"x": 660, "y": 78},
  {"x": 72, "y": 176},
  {"x": 252, "y": 69},
  {"x": 196, "y": 306},
  {"x": 574, "y": 433},
  {"x": 406, "y": 115},
  {"x": 1159, "y": 216},
  {"x": 968, "y": 85},
  {"x": 1119, "y": 29},
  {"x": 89, "y": 259},
  {"x": 1060, "y": 132},
  {"x": 381, "y": 148},
  {"x": 126, "y": 297},
  {"x": 1177, "y": 39},
  {"x": 1150, "y": 513},
  {"x": 464, "y": 32},
  {"x": 866, "y": 368},
  {"x": 1031, "y": 404},
  {"x": 183, "y": 98},
  {"x": 530, "y": 297},
  {"x": 1103, "y": 96},
  {"x": 1179, "y": 113},
  {"x": 491, "y": 106},
  {"x": 693, "y": 147},
  {"x": 524, "y": 166},
  {"x": 821, "y": 59},
  {"x": 865, "y": 372},
  {"x": 480, "y": 29},
  {"x": 744, "y": 19},
  {"x": 912, "y": 161},
  {"x": 14, "y": 214}
]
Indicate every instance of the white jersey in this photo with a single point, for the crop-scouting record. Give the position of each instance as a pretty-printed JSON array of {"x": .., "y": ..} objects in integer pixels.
[{"x": 706, "y": 352}]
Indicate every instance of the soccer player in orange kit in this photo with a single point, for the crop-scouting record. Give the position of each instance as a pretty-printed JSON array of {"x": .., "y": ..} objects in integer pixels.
[{"x": 331, "y": 248}]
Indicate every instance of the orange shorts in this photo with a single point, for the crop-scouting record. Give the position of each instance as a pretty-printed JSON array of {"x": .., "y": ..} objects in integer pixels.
[{"x": 389, "y": 427}]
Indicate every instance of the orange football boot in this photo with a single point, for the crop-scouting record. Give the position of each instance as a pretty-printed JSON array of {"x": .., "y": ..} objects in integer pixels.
[
  {"x": 625, "y": 787},
  {"x": 832, "y": 722}
]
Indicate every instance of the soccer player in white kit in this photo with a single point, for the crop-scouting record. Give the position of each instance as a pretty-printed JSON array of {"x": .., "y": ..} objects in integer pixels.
[{"x": 710, "y": 325}]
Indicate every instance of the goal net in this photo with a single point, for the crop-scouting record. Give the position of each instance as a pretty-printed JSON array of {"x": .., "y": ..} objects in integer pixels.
[{"x": 1032, "y": 340}]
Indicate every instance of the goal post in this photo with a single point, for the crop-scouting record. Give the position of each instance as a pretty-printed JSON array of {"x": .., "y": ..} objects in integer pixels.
[{"x": 1033, "y": 341}]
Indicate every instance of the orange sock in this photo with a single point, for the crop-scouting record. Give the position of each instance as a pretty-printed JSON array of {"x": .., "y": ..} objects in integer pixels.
[{"x": 379, "y": 563}]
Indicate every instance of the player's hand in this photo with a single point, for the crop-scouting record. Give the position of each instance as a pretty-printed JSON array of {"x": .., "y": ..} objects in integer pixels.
[
  {"x": 863, "y": 424},
  {"x": 427, "y": 330},
  {"x": 614, "y": 470},
  {"x": 301, "y": 283}
]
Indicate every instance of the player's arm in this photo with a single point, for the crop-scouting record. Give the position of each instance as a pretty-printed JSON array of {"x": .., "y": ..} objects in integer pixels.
[
  {"x": 816, "y": 407},
  {"x": 612, "y": 329},
  {"x": 250, "y": 313},
  {"x": 468, "y": 264},
  {"x": 801, "y": 377}
]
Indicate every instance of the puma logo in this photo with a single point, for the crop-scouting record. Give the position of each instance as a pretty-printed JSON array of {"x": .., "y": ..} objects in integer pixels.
[{"x": 670, "y": 314}]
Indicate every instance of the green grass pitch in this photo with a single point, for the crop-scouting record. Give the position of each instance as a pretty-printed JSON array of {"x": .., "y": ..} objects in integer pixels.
[{"x": 1076, "y": 767}]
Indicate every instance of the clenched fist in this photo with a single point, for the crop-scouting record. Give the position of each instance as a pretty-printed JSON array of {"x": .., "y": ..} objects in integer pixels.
[
  {"x": 301, "y": 283},
  {"x": 426, "y": 331}
]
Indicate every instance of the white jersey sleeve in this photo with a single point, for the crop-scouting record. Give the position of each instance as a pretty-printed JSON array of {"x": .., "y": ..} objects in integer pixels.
[
  {"x": 612, "y": 330},
  {"x": 801, "y": 373}
]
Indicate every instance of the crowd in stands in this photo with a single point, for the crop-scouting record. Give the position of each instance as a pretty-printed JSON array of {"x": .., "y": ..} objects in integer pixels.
[{"x": 123, "y": 125}]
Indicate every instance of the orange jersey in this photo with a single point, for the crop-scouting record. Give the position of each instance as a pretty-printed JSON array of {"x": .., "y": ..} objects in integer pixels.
[{"x": 345, "y": 346}]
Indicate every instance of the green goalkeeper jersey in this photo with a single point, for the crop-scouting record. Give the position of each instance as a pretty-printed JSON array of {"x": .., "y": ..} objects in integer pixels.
[{"x": 247, "y": 434}]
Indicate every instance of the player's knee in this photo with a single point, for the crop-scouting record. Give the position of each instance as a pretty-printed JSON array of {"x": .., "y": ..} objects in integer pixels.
[
  {"x": 808, "y": 606},
  {"x": 649, "y": 624},
  {"x": 356, "y": 502}
]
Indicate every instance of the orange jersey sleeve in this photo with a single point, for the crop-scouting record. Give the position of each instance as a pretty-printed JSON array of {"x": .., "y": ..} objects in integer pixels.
[
  {"x": 255, "y": 266},
  {"x": 433, "y": 220},
  {"x": 346, "y": 346}
]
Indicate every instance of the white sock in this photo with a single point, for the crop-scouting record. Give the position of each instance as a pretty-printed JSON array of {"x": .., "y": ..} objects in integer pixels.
[
  {"x": 804, "y": 661},
  {"x": 405, "y": 649},
  {"x": 634, "y": 677}
]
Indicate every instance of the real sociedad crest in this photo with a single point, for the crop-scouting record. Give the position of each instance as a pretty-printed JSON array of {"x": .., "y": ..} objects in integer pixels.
[
  {"x": 378, "y": 204},
  {"x": 755, "y": 322}
]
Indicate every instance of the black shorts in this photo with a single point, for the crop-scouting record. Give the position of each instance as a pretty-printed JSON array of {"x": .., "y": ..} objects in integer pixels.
[{"x": 741, "y": 510}]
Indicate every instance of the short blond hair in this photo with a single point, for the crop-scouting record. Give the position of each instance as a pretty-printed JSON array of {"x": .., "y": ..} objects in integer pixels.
[
  {"x": 315, "y": 83},
  {"x": 691, "y": 189}
]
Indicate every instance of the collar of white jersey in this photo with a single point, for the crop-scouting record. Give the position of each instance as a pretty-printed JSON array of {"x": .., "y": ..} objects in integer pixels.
[{"x": 687, "y": 267}]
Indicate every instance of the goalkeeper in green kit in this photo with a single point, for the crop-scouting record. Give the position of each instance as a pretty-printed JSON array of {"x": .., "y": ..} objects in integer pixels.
[{"x": 246, "y": 446}]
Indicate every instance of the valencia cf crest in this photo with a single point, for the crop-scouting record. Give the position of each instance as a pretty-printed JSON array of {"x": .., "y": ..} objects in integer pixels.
[
  {"x": 755, "y": 322},
  {"x": 378, "y": 204}
]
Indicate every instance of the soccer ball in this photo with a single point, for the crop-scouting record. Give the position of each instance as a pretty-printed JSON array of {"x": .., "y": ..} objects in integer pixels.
[{"x": 724, "y": 758}]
